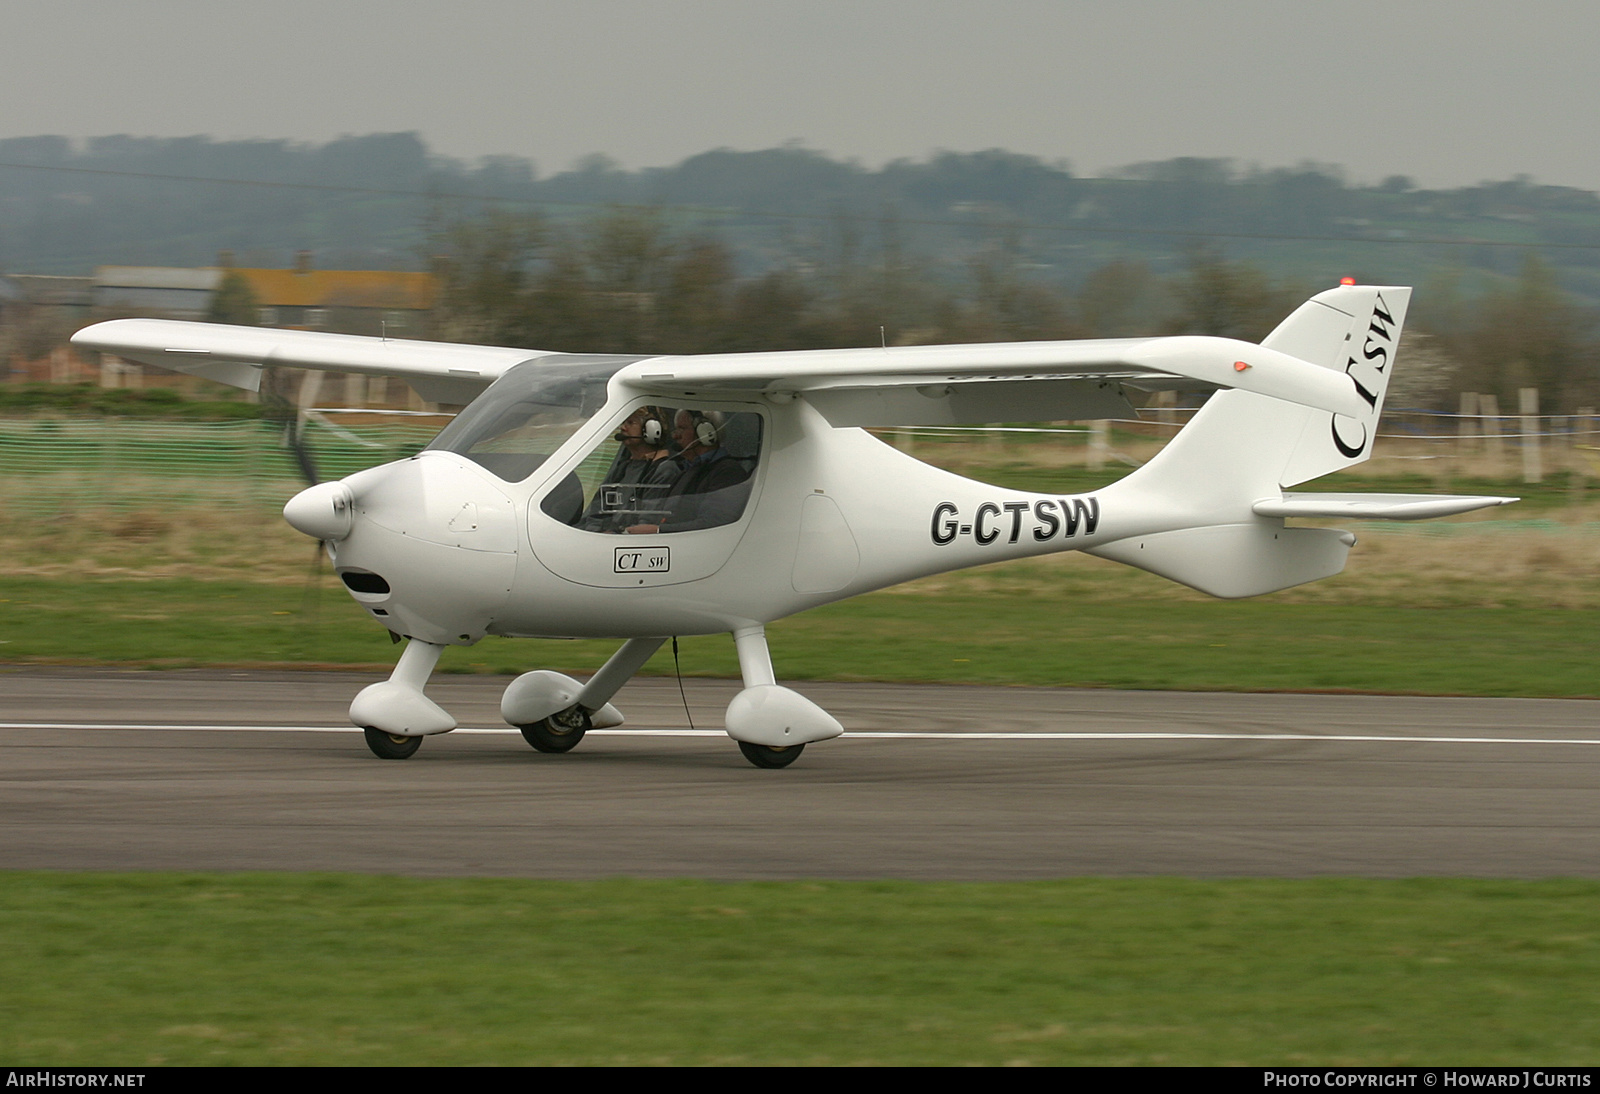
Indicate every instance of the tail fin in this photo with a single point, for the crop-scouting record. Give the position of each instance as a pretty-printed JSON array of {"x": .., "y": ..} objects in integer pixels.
[
  {"x": 1355, "y": 329},
  {"x": 1242, "y": 448}
]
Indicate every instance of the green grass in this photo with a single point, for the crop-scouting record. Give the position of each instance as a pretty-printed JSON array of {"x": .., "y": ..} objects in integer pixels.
[
  {"x": 1000, "y": 635},
  {"x": 143, "y": 970},
  {"x": 162, "y": 403}
]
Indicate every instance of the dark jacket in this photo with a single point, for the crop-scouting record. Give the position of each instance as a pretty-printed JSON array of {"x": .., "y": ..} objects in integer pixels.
[{"x": 711, "y": 492}]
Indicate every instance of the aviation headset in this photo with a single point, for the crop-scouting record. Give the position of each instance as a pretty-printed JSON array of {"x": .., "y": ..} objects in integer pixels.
[
  {"x": 653, "y": 430},
  {"x": 707, "y": 427}
]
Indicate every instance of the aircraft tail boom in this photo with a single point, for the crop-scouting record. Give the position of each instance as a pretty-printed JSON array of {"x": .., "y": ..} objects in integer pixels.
[{"x": 1218, "y": 486}]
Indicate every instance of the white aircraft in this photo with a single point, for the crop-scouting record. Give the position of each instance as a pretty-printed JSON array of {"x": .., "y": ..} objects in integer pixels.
[{"x": 542, "y": 510}]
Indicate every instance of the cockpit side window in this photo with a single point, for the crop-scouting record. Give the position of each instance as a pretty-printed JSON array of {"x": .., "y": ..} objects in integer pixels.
[{"x": 664, "y": 470}]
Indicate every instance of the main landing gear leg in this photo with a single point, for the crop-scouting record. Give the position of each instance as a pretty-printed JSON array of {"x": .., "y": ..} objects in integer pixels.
[
  {"x": 555, "y": 711},
  {"x": 395, "y": 715},
  {"x": 617, "y": 671},
  {"x": 771, "y": 723}
]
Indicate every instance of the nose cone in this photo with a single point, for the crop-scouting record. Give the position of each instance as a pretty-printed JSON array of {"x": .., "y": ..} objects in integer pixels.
[
  {"x": 324, "y": 511},
  {"x": 430, "y": 546}
]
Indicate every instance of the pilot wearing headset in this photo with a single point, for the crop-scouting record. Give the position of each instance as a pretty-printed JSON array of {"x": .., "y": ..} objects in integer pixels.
[
  {"x": 638, "y": 481},
  {"x": 713, "y": 488}
]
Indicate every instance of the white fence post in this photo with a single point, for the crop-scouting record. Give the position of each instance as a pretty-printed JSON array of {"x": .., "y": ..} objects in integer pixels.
[
  {"x": 1165, "y": 403},
  {"x": 1467, "y": 425},
  {"x": 1532, "y": 462},
  {"x": 1099, "y": 444},
  {"x": 1493, "y": 444},
  {"x": 1578, "y": 458}
]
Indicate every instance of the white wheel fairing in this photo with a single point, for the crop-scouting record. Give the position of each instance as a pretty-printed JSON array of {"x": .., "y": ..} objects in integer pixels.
[{"x": 778, "y": 717}]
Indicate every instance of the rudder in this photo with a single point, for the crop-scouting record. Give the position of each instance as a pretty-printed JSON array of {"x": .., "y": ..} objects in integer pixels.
[{"x": 1356, "y": 329}]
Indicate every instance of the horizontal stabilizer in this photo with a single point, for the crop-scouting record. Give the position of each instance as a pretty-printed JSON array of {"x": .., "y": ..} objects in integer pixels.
[{"x": 1375, "y": 506}]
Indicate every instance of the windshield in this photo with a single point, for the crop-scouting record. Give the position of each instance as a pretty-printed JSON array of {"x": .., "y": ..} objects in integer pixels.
[{"x": 529, "y": 412}]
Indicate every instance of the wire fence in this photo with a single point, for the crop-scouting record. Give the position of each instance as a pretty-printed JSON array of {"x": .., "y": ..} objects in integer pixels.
[{"x": 52, "y": 465}]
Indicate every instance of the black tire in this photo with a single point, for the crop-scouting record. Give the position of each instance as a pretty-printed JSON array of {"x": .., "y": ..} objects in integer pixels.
[
  {"x": 769, "y": 756},
  {"x": 559, "y": 732},
  {"x": 391, "y": 746}
]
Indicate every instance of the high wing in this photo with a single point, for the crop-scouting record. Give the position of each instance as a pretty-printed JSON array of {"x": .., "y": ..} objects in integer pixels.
[
  {"x": 442, "y": 372},
  {"x": 898, "y": 385},
  {"x": 999, "y": 381}
]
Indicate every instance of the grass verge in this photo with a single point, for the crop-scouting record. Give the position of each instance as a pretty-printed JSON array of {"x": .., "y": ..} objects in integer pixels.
[
  {"x": 991, "y": 635},
  {"x": 133, "y": 970}
]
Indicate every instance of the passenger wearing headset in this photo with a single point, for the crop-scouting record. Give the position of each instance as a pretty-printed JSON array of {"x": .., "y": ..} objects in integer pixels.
[
  {"x": 638, "y": 482},
  {"x": 713, "y": 488}
]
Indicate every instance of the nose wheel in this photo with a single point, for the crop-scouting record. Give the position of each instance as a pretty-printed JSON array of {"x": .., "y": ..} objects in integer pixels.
[
  {"x": 560, "y": 732},
  {"x": 771, "y": 756},
  {"x": 391, "y": 746}
]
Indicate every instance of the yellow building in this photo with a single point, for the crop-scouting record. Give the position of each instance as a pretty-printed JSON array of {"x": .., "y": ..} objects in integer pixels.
[
  {"x": 374, "y": 302},
  {"x": 380, "y": 303}
]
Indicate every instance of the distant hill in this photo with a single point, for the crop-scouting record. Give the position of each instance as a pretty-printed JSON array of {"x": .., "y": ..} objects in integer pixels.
[{"x": 371, "y": 201}]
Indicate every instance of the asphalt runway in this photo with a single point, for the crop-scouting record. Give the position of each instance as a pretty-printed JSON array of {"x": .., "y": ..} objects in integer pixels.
[{"x": 212, "y": 770}]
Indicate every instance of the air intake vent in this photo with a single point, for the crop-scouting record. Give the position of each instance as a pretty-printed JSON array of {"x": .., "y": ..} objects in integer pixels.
[{"x": 358, "y": 582}]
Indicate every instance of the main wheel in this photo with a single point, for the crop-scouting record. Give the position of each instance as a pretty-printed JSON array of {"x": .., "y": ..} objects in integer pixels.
[
  {"x": 769, "y": 755},
  {"x": 560, "y": 732},
  {"x": 391, "y": 746}
]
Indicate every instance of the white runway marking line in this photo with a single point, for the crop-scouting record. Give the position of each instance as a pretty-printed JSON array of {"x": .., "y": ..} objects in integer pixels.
[{"x": 877, "y": 735}]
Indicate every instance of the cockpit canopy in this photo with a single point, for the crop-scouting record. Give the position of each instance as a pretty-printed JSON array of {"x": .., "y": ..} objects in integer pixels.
[{"x": 523, "y": 417}]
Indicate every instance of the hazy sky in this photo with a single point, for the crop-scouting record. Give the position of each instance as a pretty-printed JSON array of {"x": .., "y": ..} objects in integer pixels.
[{"x": 1447, "y": 92}]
